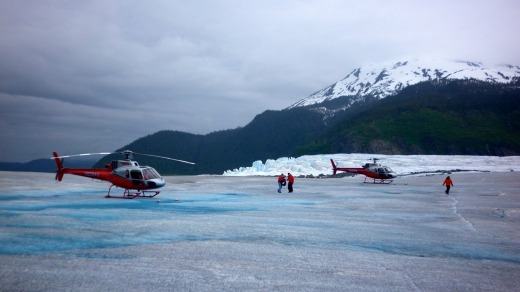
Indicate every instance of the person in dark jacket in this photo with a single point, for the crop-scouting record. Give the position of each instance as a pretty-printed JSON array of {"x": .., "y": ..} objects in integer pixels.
[{"x": 290, "y": 182}]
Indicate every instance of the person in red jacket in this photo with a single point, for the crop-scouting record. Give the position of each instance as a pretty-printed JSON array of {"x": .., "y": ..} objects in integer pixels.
[
  {"x": 290, "y": 182},
  {"x": 448, "y": 183},
  {"x": 281, "y": 182}
]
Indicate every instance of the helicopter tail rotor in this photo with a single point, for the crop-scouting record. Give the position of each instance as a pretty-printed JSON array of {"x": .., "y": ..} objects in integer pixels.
[
  {"x": 59, "y": 163},
  {"x": 334, "y": 168}
]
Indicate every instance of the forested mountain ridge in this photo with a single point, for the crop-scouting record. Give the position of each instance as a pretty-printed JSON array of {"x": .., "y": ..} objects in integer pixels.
[
  {"x": 270, "y": 134},
  {"x": 444, "y": 117}
]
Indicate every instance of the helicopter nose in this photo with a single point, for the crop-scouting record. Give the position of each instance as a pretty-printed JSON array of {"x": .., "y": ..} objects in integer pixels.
[{"x": 156, "y": 183}]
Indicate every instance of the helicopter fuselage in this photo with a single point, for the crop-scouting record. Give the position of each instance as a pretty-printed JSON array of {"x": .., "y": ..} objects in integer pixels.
[
  {"x": 133, "y": 178},
  {"x": 125, "y": 174},
  {"x": 371, "y": 170}
]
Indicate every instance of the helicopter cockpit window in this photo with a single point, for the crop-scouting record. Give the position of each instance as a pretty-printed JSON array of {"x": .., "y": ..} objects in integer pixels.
[
  {"x": 150, "y": 173},
  {"x": 388, "y": 170},
  {"x": 136, "y": 174},
  {"x": 156, "y": 173}
]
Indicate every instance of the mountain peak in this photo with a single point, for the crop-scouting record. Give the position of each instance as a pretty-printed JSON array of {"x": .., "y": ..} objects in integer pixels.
[{"x": 384, "y": 79}]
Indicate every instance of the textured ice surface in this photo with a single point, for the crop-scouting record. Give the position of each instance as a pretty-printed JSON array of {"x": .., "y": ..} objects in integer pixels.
[{"x": 212, "y": 233}]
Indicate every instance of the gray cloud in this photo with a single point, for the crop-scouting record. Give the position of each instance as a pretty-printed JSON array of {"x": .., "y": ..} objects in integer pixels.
[{"x": 85, "y": 76}]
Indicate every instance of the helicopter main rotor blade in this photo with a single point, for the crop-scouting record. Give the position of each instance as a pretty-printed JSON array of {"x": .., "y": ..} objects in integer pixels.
[
  {"x": 164, "y": 158},
  {"x": 84, "y": 154},
  {"x": 126, "y": 152}
]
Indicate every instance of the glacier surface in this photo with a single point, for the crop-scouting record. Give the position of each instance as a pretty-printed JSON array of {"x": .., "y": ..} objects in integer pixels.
[{"x": 207, "y": 233}]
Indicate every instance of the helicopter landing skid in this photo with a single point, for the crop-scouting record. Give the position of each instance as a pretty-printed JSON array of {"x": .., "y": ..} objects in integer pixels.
[
  {"x": 129, "y": 195},
  {"x": 379, "y": 181}
]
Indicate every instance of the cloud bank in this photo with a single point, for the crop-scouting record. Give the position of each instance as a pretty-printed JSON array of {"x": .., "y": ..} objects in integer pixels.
[{"x": 85, "y": 76}]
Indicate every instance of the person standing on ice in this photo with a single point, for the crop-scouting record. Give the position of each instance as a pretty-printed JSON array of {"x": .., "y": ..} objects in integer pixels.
[
  {"x": 448, "y": 183},
  {"x": 290, "y": 182},
  {"x": 281, "y": 182}
]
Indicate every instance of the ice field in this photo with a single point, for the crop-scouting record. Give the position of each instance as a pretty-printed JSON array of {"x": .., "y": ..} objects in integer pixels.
[
  {"x": 221, "y": 233},
  {"x": 402, "y": 164}
]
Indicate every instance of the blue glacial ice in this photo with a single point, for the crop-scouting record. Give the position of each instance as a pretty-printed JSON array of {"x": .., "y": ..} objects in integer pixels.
[{"x": 238, "y": 233}]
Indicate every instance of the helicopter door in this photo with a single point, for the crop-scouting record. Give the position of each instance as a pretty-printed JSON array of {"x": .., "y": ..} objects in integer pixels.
[
  {"x": 136, "y": 174},
  {"x": 137, "y": 177},
  {"x": 381, "y": 171}
]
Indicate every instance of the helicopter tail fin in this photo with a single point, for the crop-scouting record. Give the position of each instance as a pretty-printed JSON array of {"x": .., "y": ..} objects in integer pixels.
[
  {"x": 59, "y": 163},
  {"x": 334, "y": 168}
]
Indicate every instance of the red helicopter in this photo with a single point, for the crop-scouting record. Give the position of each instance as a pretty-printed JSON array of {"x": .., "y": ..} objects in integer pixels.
[
  {"x": 380, "y": 174},
  {"x": 126, "y": 174}
]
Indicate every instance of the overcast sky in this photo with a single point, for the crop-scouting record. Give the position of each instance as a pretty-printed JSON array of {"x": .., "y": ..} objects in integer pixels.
[{"x": 90, "y": 76}]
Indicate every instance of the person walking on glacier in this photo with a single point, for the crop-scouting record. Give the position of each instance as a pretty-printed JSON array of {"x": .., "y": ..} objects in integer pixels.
[{"x": 448, "y": 183}]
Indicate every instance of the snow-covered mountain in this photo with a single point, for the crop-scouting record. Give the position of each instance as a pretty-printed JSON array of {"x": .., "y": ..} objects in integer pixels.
[{"x": 381, "y": 80}]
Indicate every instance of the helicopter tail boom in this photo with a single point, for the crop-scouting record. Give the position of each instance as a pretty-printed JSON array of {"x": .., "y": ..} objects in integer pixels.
[{"x": 335, "y": 169}]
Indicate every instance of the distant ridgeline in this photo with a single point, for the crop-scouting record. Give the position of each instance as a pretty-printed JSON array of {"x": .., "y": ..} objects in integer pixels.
[
  {"x": 465, "y": 117},
  {"x": 44, "y": 165}
]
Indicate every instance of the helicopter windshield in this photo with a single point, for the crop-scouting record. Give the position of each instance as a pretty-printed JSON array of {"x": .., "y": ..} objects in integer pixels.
[
  {"x": 384, "y": 171},
  {"x": 150, "y": 173}
]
